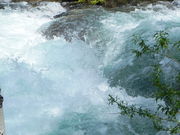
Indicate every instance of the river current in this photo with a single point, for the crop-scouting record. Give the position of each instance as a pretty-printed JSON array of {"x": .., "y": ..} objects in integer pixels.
[{"x": 59, "y": 87}]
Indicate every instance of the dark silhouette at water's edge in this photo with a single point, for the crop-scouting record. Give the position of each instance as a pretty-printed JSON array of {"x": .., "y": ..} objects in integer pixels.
[{"x": 1, "y": 100}]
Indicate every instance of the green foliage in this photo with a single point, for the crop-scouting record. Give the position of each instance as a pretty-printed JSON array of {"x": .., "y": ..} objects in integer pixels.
[
  {"x": 170, "y": 95},
  {"x": 93, "y": 2},
  {"x": 81, "y": 1},
  {"x": 132, "y": 110},
  {"x": 162, "y": 43}
]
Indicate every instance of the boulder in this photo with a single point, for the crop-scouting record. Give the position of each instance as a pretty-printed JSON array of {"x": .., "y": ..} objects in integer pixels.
[
  {"x": 74, "y": 24},
  {"x": 1, "y": 6}
]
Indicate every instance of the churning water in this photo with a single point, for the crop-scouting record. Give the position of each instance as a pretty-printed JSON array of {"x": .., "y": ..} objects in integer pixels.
[{"x": 56, "y": 87}]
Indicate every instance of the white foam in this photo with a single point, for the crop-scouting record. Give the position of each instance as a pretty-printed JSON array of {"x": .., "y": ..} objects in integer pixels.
[{"x": 45, "y": 82}]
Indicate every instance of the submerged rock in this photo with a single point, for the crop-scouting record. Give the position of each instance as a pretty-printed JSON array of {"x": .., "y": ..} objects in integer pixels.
[
  {"x": 61, "y": 15},
  {"x": 1, "y": 101},
  {"x": 74, "y": 24},
  {"x": 1, "y": 6},
  {"x": 176, "y": 2}
]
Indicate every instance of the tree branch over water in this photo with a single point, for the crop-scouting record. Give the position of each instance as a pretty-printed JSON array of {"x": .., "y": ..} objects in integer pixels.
[{"x": 170, "y": 94}]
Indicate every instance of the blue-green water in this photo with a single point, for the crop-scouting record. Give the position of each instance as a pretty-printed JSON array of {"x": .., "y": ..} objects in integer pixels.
[{"x": 57, "y": 87}]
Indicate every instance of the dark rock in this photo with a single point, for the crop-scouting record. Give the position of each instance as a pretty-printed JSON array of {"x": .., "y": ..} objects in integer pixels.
[
  {"x": 74, "y": 24},
  {"x": 75, "y": 5},
  {"x": 1, "y": 6},
  {"x": 61, "y": 15},
  {"x": 176, "y": 2},
  {"x": 115, "y": 3},
  {"x": 1, "y": 101}
]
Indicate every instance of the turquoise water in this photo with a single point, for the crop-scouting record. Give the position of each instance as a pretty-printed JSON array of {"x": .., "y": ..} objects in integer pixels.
[{"x": 57, "y": 87}]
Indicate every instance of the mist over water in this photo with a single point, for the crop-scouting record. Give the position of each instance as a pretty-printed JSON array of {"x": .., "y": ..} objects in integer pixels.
[{"x": 56, "y": 87}]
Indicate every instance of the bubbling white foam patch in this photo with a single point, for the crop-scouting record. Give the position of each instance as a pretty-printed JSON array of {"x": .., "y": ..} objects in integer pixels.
[{"x": 7, "y": 1}]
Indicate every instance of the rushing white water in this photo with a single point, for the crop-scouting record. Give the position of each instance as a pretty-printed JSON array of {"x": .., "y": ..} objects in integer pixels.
[
  {"x": 55, "y": 87},
  {"x": 7, "y": 1}
]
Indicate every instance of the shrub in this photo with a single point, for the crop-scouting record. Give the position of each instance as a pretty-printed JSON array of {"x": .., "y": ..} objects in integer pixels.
[
  {"x": 93, "y": 2},
  {"x": 170, "y": 94}
]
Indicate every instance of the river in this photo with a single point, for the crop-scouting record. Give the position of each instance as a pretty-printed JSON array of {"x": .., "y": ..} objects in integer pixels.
[{"x": 53, "y": 86}]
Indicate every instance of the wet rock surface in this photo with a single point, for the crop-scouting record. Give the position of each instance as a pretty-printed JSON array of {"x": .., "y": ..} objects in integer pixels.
[
  {"x": 1, "y": 101},
  {"x": 79, "y": 20},
  {"x": 1, "y": 6},
  {"x": 74, "y": 24},
  {"x": 176, "y": 2},
  {"x": 74, "y": 5}
]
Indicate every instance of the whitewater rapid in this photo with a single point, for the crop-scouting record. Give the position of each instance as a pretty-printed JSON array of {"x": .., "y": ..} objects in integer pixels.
[
  {"x": 46, "y": 82},
  {"x": 56, "y": 87}
]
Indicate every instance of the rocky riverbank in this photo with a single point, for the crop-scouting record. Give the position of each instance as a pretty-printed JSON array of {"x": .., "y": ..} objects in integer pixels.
[
  {"x": 105, "y": 3},
  {"x": 74, "y": 22},
  {"x": 123, "y": 5}
]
